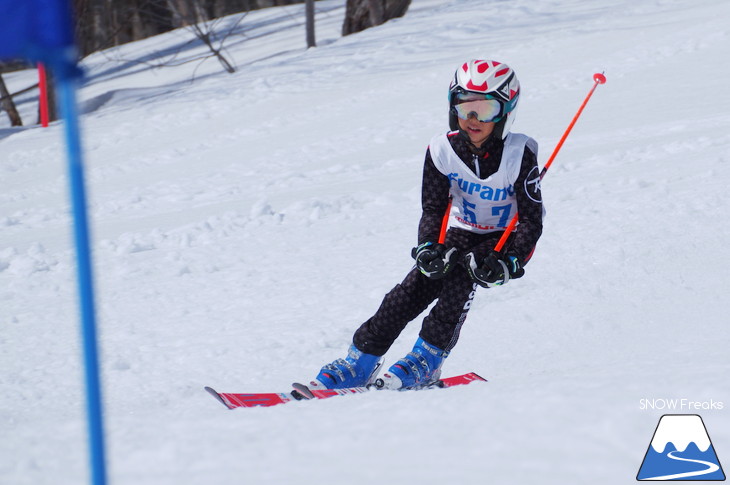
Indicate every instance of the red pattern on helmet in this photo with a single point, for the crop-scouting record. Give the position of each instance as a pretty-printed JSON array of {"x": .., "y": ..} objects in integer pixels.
[
  {"x": 501, "y": 72},
  {"x": 465, "y": 67},
  {"x": 481, "y": 87},
  {"x": 482, "y": 66},
  {"x": 512, "y": 93}
]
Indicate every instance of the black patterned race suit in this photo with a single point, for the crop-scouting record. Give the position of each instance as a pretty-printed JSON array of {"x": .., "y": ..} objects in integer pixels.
[{"x": 456, "y": 290}]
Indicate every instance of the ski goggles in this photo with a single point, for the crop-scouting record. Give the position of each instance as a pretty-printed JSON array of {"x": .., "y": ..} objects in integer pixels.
[{"x": 483, "y": 107}]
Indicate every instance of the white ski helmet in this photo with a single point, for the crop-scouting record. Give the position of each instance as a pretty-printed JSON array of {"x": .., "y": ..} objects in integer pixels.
[{"x": 493, "y": 79}]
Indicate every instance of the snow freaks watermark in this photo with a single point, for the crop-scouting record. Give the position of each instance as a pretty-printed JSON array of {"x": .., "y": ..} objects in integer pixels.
[
  {"x": 679, "y": 405},
  {"x": 680, "y": 449}
]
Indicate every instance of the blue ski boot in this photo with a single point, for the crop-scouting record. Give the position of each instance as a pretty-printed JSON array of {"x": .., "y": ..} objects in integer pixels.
[
  {"x": 420, "y": 368},
  {"x": 358, "y": 369}
]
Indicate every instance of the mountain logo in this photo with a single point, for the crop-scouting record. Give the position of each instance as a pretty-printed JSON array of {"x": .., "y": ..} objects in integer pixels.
[{"x": 680, "y": 450}]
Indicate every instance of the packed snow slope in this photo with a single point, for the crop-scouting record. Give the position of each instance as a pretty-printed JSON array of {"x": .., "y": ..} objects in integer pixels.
[{"x": 244, "y": 225}]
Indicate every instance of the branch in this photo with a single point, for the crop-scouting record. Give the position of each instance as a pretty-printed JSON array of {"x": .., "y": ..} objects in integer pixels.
[{"x": 22, "y": 91}]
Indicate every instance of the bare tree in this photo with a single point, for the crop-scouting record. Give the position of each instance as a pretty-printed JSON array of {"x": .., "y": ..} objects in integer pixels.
[
  {"x": 187, "y": 12},
  {"x": 101, "y": 24},
  {"x": 192, "y": 13},
  {"x": 363, "y": 14},
  {"x": 309, "y": 14},
  {"x": 7, "y": 103},
  {"x": 106, "y": 23}
]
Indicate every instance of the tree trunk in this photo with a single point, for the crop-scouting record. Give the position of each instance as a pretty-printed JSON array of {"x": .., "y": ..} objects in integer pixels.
[
  {"x": 187, "y": 12},
  {"x": 362, "y": 14},
  {"x": 377, "y": 15},
  {"x": 52, "y": 98},
  {"x": 309, "y": 13},
  {"x": 8, "y": 105}
]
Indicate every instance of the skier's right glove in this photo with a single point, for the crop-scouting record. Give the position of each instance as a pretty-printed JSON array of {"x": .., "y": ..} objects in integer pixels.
[
  {"x": 434, "y": 260},
  {"x": 496, "y": 269}
]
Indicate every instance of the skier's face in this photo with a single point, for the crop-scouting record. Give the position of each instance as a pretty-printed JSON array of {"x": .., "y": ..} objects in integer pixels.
[{"x": 478, "y": 131}]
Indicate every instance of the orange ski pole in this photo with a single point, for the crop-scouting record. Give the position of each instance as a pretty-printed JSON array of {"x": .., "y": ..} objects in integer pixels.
[
  {"x": 445, "y": 223},
  {"x": 598, "y": 78}
]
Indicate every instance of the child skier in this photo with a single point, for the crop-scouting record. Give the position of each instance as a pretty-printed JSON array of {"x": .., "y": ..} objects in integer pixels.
[{"x": 488, "y": 173}]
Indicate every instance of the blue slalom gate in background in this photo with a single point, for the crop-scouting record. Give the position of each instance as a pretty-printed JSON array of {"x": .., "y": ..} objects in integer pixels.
[{"x": 43, "y": 31}]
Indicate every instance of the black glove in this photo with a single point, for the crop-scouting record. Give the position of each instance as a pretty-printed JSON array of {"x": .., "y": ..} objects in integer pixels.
[
  {"x": 495, "y": 270},
  {"x": 514, "y": 265},
  {"x": 434, "y": 260}
]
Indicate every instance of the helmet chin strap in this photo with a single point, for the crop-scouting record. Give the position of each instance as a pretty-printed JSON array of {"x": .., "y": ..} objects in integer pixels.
[
  {"x": 499, "y": 128},
  {"x": 453, "y": 121}
]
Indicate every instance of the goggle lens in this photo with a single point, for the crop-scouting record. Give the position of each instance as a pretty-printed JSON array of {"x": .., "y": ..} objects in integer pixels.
[{"x": 484, "y": 109}]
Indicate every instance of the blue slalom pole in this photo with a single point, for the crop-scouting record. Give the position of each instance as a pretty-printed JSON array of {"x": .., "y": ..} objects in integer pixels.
[
  {"x": 43, "y": 31},
  {"x": 69, "y": 113}
]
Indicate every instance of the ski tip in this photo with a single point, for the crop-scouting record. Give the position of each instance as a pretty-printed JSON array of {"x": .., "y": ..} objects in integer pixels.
[
  {"x": 215, "y": 394},
  {"x": 477, "y": 377},
  {"x": 303, "y": 390}
]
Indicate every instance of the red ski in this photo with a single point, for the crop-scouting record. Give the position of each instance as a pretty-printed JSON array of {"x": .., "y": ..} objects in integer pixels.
[
  {"x": 263, "y": 399},
  {"x": 302, "y": 392}
]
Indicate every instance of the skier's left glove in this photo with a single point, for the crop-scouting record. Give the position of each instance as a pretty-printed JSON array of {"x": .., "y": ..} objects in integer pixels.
[
  {"x": 495, "y": 270},
  {"x": 434, "y": 260}
]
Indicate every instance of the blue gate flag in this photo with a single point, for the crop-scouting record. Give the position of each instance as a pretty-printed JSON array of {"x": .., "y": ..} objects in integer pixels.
[
  {"x": 39, "y": 30},
  {"x": 42, "y": 31}
]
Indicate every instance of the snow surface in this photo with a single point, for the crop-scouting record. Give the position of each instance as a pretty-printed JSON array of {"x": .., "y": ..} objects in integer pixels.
[{"x": 244, "y": 225}]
